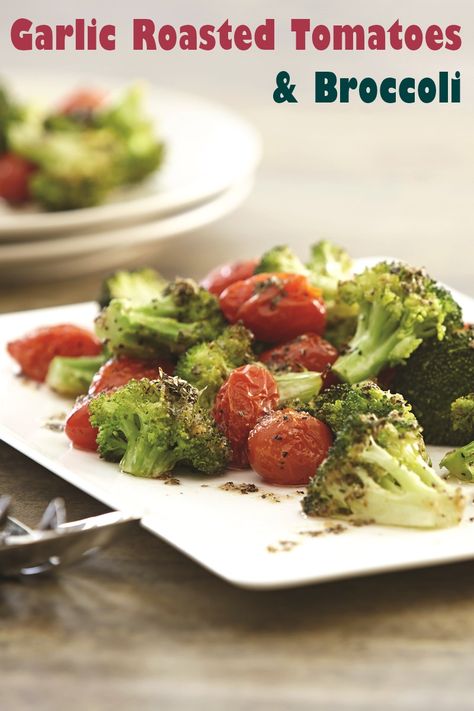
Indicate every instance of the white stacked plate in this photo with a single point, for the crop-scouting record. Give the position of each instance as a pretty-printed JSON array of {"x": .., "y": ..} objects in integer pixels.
[{"x": 211, "y": 157}]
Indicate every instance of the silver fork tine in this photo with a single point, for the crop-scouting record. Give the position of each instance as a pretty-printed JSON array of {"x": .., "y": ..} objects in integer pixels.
[
  {"x": 54, "y": 543},
  {"x": 54, "y": 515},
  {"x": 5, "y": 503}
]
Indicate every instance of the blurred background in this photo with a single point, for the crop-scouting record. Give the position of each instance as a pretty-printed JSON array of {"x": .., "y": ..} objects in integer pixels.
[{"x": 392, "y": 180}]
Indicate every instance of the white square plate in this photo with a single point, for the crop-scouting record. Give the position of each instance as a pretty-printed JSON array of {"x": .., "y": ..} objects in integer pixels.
[{"x": 256, "y": 540}]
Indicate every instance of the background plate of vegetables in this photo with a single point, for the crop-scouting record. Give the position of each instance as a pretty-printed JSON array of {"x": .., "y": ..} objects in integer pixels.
[
  {"x": 75, "y": 156},
  {"x": 282, "y": 423}
]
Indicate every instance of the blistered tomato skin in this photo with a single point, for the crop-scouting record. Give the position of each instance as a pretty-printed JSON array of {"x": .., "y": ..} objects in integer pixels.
[
  {"x": 275, "y": 307},
  {"x": 221, "y": 277},
  {"x": 82, "y": 100},
  {"x": 15, "y": 174},
  {"x": 79, "y": 429},
  {"x": 249, "y": 393},
  {"x": 119, "y": 371},
  {"x": 287, "y": 447},
  {"x": 306, "y": 352},
  {"x": 35, "y": 351}
]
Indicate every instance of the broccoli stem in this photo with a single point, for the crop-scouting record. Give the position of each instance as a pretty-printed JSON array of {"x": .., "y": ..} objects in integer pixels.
[
  {"x": 298, "y": 386},
  {"x": 167, "y": 329},
  {"x": 407, "y": 508},
  {"x": 144, "y": 460},
  {"x": 401, "y": 475},
  {"x": 156, "y": 332},
  {"x": 372, "y": 346},
  {"x": 71, "y": 376},
  {"x": 410, "y": 481},
  {"x": 460, "y": 462}
]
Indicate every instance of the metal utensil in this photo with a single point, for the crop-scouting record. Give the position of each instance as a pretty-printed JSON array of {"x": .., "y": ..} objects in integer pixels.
[{"x": 54, "y": 543}]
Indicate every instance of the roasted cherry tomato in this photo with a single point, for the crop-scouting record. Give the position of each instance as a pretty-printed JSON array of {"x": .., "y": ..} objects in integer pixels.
[
  {"x": 82, "y": 101},
  {"x": 78, "y": 427},
  {"x": 35, "y": 351},
  {"x": 118, "y": 371},
  {"x": 306, "y": 352},
  {"x": 275, "y": 307},
  {"x": 248, "y": 393},
  {"x": 15, "y": 174},
  {"x": 221, "y": 277},
  {"x": 287, "y": 447}
]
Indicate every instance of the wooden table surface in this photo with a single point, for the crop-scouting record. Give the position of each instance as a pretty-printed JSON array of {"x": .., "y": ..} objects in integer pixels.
[{"x": 142, "y": 626}]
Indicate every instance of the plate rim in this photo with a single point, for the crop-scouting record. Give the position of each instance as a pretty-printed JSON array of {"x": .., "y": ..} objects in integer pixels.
[
  {"x": 150, "y": 231},
  {"x": 429, "y": 556},
  {"x": 20, "y": 226}
]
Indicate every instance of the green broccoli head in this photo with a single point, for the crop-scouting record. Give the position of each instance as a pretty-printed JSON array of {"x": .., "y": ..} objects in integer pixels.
[
  {"x": 437, "y": 380},
  {"x": 280, "y": 259},
  {"x": 336, "y": 405},
  {"x": 80, "y": 160},
  {"x": 139, "y": 286},
  {"x": 74, "y": 121},
  {"x": 399, "y": 308},
  {"x": 328, "y": 265},
  {"x": 141, "y": 152},
  {"x": 376, "y": 472},
  {"x": 60, "y": 192},
  {"x": 183, "y": 315},
  {"x": 208, "y": 365},
  {"x": 10, "y": 112},
  {"x": 460, "y": 462},
  {"x": 151, "y": 426},
  {"x": 71, "y": 376},
  {"x": 73, "y": 169},
  {"x": 462, "y": 414}
]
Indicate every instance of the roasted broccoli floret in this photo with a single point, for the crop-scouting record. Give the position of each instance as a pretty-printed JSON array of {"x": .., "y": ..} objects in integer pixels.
[
  {"x": 80, "y": 162},
  {"x": 151, "y": 426},
  {"x": 74, "y": 121},
  {"x": 73, "y": 169},
  {"x": 72, "y": 376},
  {"x": 183, "y": 315},
  {"x": 339, "y": 403},
  {"x": 139, "y": 286},
  {"x": 376, "y": 472},
  {"x": 328, "y": 265},
  {"x": 281, "y": 259},
  {"x": 462, "y": 414},
  {"x": 460, "y": 462},
  {"x": 399, "y": 308},
  {"x": 10, "y": 112},
  {"x": 141, "y": 152},
  {"x": 434, "y": 378},
  {"x": 336, "y": 405},
  {"x": 208, "y": 365},
  {"x": 302, "y": 387}
]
